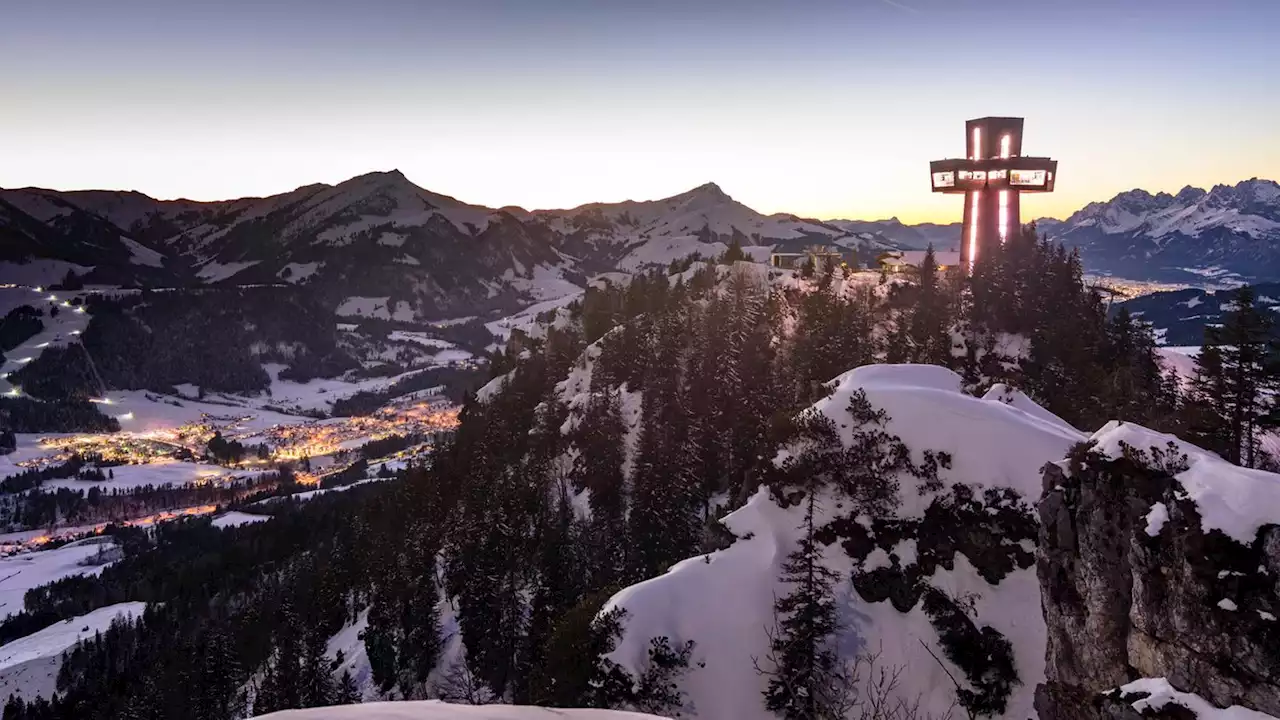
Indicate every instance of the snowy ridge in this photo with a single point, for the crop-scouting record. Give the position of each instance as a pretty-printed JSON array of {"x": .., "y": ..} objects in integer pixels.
[
  {"x": 436, "y": 710},
  {"x": 1227, "y": 230},
  {"x": 686, "y": 214},
  {"x": 1251, "y": 207},
  {"x": 723, "y": 601},
  {"x": 1234, "y": 500}
]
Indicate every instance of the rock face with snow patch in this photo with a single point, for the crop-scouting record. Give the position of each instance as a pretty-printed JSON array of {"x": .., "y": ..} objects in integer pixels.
[{"x": 1157, "y": 560}]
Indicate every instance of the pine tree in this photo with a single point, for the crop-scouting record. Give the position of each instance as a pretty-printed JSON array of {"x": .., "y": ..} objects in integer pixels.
[
  {"x": 807, "y": 680},
  {"x": 665, "y": 524},
  {"x": 348, "y": 693},
  {"x": 930, "y": 338},
  {"x": 316, "y": 683},
  {"x": 734, "y": 253},
  {"x": 220, "y": 678},
  {"x": 1248, "y": 361},
  {"x": 598, "y": 469}
]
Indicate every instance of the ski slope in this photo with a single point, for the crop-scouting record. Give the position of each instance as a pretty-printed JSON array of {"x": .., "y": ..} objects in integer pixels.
[{"x": 20, "y": 573}]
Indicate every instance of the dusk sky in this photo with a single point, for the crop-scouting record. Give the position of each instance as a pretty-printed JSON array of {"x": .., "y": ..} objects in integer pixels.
[{"x": 826, "y": 108}]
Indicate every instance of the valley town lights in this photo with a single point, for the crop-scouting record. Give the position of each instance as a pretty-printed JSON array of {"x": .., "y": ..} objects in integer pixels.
[{"x": 992, "y": 176}]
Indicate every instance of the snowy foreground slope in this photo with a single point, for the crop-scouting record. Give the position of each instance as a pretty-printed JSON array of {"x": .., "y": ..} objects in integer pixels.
[
  {"x": 29, "y": 666},
  {"x": 434, "y": 710},
  {"x": 723, "y": 602}
]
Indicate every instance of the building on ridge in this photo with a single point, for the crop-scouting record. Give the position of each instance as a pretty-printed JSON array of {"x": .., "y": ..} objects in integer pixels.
[
  {"x": 821, "y": 255},
  {"x": 900, "y": 260}
]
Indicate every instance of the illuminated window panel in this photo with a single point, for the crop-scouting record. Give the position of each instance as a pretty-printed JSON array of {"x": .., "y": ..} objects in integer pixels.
[
  {"x": 944, "y": 179},
  {"x": 1028, "y": 178}
]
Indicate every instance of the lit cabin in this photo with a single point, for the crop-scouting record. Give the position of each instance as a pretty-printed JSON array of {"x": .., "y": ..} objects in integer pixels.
[
  {"x": 901, "y": 260},
  {"x": 822, "y": 256}
]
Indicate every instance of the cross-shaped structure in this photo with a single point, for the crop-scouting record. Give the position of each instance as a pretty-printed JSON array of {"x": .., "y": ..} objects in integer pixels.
[{"x": 992, "y": 176}]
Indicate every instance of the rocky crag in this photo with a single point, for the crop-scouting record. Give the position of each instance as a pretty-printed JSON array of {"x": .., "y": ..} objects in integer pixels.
[{"x": 1157, "y": 560}]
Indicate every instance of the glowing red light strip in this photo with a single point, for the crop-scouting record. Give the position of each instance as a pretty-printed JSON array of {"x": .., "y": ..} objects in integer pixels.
[
  {"x": 1004, "y": 215},
  {"x": 973, "y": 226}
]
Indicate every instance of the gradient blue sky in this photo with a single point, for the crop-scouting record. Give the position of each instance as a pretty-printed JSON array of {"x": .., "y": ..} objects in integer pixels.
[{"x": 818, "y": 107}]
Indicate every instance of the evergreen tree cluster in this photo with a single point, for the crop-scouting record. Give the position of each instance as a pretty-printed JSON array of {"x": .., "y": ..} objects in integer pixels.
[
  {"x": 18, "y": 325},
  {"x": 214, "y": 338}
]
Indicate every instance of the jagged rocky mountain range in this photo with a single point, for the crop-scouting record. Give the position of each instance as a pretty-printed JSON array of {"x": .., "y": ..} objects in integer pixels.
[
  {"x": 1195, "y": 234},
  {"x": 378, "y": 244}
]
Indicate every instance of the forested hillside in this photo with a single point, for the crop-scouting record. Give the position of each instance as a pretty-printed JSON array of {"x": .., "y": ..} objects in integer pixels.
[{"x": 606, "y": 449}]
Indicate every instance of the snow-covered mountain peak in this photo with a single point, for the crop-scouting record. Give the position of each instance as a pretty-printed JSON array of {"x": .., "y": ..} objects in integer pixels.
[
  {"x": 1189, "y": 194},
  {"x": 705, "y": 195},
  {"x": 1138, "y": 234},
  {"x": 1251, "y": 207}
]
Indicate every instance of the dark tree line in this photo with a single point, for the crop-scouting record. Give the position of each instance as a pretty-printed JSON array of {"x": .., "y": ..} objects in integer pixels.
[
  {"x": 27, "y": 415},
  {"x": 18, "y": 325},
  {"x": 94, "y": 500},
  {"x": 216, "y": 339}
]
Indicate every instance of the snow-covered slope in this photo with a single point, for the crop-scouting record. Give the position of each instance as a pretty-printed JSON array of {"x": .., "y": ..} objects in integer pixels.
[
  {"x": 907, "y": 237},
  {"x": 723, "y": 602},
  {"x": 19, "y": 573},
  {"x": 434, "y": 710},
  {"x": 29, "y": 665}
]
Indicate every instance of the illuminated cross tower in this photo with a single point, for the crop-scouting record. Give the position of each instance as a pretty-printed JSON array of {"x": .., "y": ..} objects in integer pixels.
[{"x": 992, "y": 176}]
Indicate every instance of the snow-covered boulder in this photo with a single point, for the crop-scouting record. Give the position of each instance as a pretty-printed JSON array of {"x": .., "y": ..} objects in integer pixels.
[{"x": 954, "y": 557}]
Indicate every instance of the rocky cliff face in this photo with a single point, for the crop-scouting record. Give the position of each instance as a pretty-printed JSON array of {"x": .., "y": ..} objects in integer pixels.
[{"x": 1157, "y": 560}]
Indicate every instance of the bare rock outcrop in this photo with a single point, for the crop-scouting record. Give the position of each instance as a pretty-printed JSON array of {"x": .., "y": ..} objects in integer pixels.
[{"x": 1133, "y": 586}]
